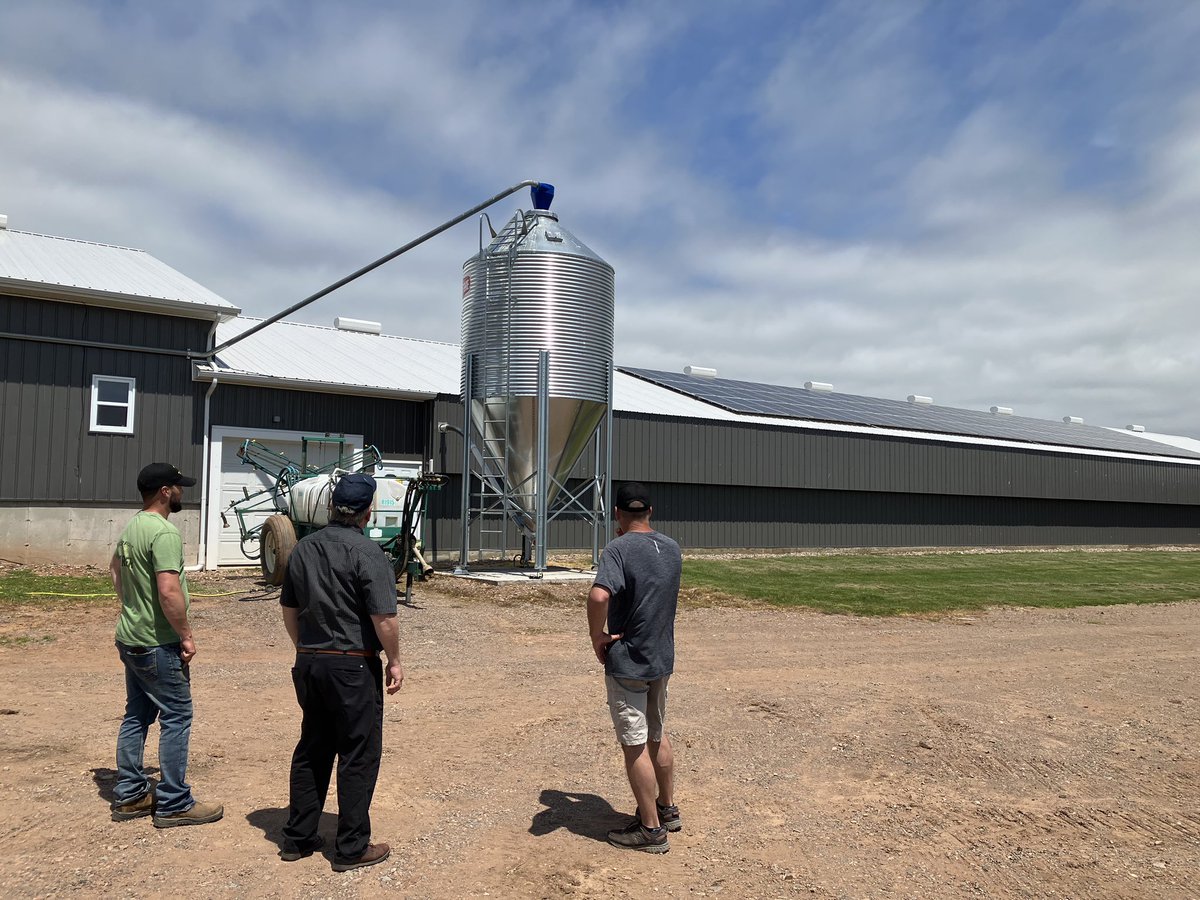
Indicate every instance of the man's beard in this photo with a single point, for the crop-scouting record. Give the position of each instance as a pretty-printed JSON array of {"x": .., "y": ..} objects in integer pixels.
[{"x": 176, "y": 505}]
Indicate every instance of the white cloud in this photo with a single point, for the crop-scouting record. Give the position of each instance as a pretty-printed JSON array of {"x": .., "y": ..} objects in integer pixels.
[
  {"x": 1017, "y": 291},
  {"x": 267, "y": 150}
]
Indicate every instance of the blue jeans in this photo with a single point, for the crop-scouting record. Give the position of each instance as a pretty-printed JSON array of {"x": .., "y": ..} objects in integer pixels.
[{"x": 157, "y": 686}]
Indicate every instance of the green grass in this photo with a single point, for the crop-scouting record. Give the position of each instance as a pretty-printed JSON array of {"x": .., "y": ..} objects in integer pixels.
[
  {"x": 880, "y": 584},
  {"x": 24, "y": 586},
  {"x": 865, "y": 584},
  {"x": 26, "y": 640}
]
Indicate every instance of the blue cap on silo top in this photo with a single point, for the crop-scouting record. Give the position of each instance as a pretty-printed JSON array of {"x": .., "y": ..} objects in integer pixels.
[{"x": 543, "y": 195}]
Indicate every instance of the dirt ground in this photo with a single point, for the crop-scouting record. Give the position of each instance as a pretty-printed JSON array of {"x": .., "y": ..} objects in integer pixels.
[{"x": 1017, "y": 753}]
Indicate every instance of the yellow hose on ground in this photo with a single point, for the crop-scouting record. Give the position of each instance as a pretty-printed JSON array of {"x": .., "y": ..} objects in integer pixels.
[{"x": 111, "y": 594}]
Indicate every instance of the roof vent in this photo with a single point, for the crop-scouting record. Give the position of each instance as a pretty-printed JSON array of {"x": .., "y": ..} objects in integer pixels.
[
  {"x": 1072, "y": 420},
  {"x": 700, "y": 371},
  {"x": 822, "y": 386},
  {"x": 341, "y": 323},
  {"x": 1002, "y": 410},
  {"x": 920, "y": 400},
  {"x": 1137, "y": 428},
  {"x": 3, "y": 222}
]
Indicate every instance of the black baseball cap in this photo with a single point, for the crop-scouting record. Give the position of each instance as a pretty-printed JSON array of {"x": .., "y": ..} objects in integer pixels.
[
  {"x": 353, "y": 493},
  {"x": 159, "y": 475},
  {"x": 633, "y": 497}
]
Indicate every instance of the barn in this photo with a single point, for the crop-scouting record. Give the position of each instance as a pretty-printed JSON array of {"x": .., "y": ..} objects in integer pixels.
[{"x": 106, "y": 366}]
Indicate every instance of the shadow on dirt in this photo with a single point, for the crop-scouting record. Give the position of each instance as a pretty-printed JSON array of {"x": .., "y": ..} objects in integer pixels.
[
  {"x": 106, "y": 780},
  {"x": 256, "y": 593},
  {"x": 586, "y": 815},
  {"x": 270, "y": 822}
]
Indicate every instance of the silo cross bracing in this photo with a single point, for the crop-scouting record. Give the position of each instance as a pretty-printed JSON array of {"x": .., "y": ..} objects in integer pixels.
[{"x": 537, "y": 327}]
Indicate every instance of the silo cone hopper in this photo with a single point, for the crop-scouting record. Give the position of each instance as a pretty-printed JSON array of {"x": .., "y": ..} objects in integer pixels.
[
  {"x": 571, "y": 425},
  {"x": 537, "y": 327}
]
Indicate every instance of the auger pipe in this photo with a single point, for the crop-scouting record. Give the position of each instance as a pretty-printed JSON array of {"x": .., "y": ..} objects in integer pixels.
[{"x": 209, "y": 354}]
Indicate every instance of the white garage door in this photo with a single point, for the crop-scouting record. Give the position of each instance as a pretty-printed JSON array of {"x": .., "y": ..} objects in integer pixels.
[{"x": 236, "y": 478}]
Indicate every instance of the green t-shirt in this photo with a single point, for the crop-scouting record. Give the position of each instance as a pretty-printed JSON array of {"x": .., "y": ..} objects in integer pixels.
[{"x": 148, "y": 545}]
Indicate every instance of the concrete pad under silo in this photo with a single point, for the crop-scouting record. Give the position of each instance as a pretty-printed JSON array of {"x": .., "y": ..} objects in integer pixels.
[{"x": 522, "y": 576}]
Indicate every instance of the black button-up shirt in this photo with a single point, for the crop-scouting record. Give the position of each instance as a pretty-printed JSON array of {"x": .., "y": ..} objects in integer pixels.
[{"x": 338, "y": 578}]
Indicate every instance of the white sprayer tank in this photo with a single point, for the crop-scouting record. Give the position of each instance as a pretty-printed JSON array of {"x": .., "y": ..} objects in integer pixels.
[{"x": 308, "y": 500}]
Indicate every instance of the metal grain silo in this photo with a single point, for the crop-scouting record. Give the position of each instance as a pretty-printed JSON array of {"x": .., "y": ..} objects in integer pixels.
[{"x": 537, "y": 333}]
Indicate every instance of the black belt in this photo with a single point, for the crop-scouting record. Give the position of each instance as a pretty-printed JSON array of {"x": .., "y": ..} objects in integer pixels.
[
  {"x": 366, "y": 653},
  {"x": 140, "y": 650}
]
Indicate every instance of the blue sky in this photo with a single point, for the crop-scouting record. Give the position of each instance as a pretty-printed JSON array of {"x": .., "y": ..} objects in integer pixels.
[{"x": 989, "y": 203}]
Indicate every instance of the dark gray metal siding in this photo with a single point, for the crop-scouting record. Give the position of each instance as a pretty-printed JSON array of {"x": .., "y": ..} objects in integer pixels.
[
  {"x": 745, "y": 486},
  {"x": 723, "y": 516},
  {"x": 684, "y": 451},
  {"x": 713, "y": 516},
  {"x": 396, "y": 427},
  {"x": 79, "y": 322},
  {"x": 647, "y": 448},
  {"x": 446, "y": 449},
  {"x": 46, "y": 451}
]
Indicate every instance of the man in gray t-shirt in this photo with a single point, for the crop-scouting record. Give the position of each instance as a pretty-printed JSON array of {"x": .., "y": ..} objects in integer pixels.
[{"x": 635, "y": 594}]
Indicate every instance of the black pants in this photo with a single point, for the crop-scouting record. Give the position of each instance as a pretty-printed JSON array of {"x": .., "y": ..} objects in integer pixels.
[{"x": 342, "y": 699}]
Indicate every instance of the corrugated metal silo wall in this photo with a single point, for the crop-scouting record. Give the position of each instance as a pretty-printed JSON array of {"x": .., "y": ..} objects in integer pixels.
[
  {"x": 719, "y": 484},
  {"x": 47, "y": 451}
]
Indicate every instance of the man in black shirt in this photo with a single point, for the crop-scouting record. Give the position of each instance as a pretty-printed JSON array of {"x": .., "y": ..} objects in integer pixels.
[
  {"x": 339, "y": 608},
  {"x": 635, "y": 593}
]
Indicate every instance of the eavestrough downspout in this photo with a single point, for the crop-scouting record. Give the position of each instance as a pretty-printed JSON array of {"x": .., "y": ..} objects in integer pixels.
[{"x": 202, "y": 545}]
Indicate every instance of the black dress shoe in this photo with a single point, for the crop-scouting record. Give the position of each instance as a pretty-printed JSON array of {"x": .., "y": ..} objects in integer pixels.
[{"x": 289, "y": 855}]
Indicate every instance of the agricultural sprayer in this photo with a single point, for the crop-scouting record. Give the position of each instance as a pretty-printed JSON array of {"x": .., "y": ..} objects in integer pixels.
[{"x": 296, "y": 503}]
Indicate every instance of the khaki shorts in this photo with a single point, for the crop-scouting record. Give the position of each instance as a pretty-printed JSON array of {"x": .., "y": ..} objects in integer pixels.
[{"x": 638, "y": 708}]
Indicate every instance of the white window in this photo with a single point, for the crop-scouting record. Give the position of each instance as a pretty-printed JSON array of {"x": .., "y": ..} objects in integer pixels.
[{"x": 112, "y": 404}]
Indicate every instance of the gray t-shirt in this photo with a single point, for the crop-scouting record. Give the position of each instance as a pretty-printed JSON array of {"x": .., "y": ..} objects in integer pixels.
[
  {"x": 338, "y": 578},
  {"x": 641, "y": 570}
]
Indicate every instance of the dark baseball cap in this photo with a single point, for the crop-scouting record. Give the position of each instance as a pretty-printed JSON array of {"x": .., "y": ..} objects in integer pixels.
[
  {"x": 633, "y": 497},
  {"x": 159, "y": 475},
  {"x": 353, "y": 493}
]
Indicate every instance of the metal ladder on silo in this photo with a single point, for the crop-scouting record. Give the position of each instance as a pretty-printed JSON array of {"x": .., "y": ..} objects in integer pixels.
[
  {"x": 517, "y": 498},
  {"x": 492, "y": 510}
]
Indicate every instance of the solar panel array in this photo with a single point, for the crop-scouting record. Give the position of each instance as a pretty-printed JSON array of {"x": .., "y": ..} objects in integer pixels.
[{"x": 780, "y": 401}]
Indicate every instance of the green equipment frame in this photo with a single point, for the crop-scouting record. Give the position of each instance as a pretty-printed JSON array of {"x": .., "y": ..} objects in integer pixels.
[{"x": 272, "y": 540}]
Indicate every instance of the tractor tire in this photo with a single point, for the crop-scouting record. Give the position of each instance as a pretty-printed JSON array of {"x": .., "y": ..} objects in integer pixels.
[{"x": 278, "y": 541}]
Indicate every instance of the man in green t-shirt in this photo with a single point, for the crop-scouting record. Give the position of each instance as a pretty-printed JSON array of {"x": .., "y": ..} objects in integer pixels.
[{"x": 154, "y": 640}]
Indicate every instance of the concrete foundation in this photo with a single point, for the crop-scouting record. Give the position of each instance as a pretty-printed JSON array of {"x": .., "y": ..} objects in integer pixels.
[
  {"x": 39, "y": 534},
  {"x": 511, "y": 576}
]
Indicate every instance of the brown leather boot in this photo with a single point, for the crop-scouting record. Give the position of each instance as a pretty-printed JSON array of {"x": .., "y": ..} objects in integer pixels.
[
  {"x": 199, "y": 814},
  {"x": 134, "y": 809},
  {"x": 375, "y": 853}
]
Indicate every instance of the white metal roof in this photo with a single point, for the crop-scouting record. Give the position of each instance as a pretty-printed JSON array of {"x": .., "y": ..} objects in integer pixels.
[
  {"x": 316, "y": 357},
  {"x": 636, "y": 395},
  {"x": 1184, "y": 443},
  {"x": 40, "y": 265}
]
